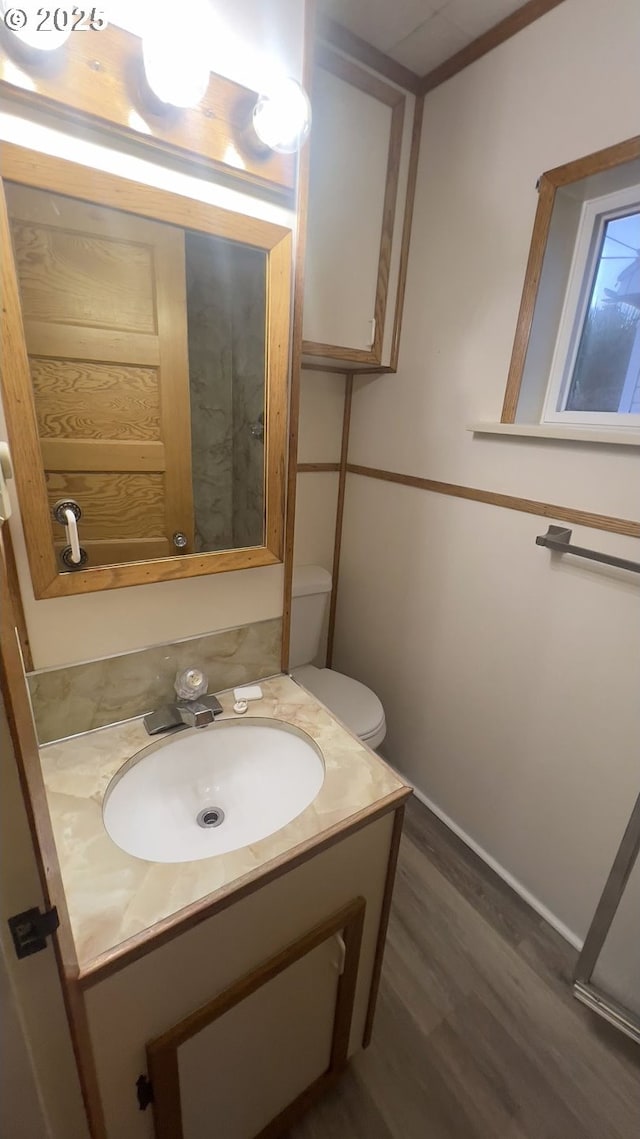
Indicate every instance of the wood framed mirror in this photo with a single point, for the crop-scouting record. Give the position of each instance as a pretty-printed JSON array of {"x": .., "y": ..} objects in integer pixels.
[{"x": 145, "y": 353}]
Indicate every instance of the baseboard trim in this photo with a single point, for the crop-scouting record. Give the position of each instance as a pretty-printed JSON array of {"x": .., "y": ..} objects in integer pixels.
[{"x": 525, "y": 894}]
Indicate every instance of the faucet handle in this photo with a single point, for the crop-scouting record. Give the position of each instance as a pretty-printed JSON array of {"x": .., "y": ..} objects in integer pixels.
[{"x": 190, "y": 684}]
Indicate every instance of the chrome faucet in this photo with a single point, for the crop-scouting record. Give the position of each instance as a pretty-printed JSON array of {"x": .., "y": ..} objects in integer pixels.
[
  {"x": 194, "y": 714},
  {"x": 193, "y": 709}
]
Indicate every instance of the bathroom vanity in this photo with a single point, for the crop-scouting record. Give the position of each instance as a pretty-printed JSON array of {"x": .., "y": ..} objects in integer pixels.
[{"x": 221, "y": 994}]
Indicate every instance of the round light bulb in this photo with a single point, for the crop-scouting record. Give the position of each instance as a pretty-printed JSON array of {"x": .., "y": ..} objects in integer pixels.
[
  {"x": 176, "y": 73},
  {"x": 36, "y": 27},
  {"x": 176, "y": 50},
  {"x": 282, "y": 117}
]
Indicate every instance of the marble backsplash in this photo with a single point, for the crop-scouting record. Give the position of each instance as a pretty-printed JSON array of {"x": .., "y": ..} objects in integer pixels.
[{"x": 79, "y": 697}]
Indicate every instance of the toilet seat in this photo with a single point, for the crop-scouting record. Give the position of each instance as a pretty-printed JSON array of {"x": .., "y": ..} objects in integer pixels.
[{"x": 352, "y": 702}]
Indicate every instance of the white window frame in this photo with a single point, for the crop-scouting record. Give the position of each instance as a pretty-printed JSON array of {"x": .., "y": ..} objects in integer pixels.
[{"x": 595, "y": 213}]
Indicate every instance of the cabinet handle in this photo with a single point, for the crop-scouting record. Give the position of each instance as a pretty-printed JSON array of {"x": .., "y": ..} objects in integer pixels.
[
  {"x": 180, "y": 540},
  {"x": 342, "y": 953}
]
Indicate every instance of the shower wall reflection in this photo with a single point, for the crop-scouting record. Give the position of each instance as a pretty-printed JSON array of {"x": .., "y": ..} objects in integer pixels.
[{"x": 226, "y": 306}]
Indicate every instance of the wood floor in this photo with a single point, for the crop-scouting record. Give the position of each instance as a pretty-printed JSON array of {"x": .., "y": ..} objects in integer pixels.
[{"x": 477, "y": 1034}]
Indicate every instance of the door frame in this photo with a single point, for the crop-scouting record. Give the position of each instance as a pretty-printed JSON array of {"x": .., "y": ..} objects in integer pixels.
[{"x": 584, "y": 987}]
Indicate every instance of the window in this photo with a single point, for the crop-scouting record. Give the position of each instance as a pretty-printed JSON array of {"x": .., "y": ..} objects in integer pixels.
[
  {"x": 576, "y": 356},
  {"x": 595, "y": 372}
]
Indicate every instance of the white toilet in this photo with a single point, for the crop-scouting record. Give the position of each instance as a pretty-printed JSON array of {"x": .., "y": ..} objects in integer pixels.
[{"x": 352, "y": 702}]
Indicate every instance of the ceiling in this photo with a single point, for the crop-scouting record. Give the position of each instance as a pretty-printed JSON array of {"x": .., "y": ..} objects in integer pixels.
[{"x": 419, "y": 33}]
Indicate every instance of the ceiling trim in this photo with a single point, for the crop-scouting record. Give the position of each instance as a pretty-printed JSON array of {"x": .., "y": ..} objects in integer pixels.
[
  {"x": 351, "y": 44},
  {"x": 497, "y": 35},
  {"x": 348, "y": 42}
]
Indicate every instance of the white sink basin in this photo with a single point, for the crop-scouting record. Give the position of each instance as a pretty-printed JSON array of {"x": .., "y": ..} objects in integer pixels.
[{"x": 211, "y": 790}]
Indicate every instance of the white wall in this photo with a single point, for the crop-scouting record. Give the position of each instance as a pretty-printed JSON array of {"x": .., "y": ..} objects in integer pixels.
[
  {"x": 319, "y": 441},
  {"x": 265, "y": 38},
  {"x": 510, "y": 680}
]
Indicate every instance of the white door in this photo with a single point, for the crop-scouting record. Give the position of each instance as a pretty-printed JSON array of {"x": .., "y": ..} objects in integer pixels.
[
  {"x": 40, "y": 1092},
  {"x": 21, "y": 1109}
]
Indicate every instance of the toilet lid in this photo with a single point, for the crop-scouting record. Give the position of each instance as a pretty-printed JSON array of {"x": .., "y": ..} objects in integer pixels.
[{"x": 353, "y": 703}]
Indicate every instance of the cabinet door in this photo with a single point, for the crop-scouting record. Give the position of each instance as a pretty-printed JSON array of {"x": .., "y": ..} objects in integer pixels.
[
  {"x": 355, "y": 167},
  {"x": 246, "y": 1064}
]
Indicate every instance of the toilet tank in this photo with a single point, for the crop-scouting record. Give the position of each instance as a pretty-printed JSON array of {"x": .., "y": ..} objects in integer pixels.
[{"x": 311, "y": 589}]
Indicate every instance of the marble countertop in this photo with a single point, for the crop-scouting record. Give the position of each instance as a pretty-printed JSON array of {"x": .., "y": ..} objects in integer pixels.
[{"x": 113, "y": 897}]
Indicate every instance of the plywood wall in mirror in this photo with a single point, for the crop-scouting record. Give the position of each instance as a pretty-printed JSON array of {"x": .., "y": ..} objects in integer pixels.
[{"x": 145, "y": 376}]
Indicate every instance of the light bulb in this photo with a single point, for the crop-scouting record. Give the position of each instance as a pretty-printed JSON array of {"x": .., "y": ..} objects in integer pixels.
[
  {"x": 282, "y": 117},
  {"x": 175, "y": 51},
  {"x": 37, "y": 27}
]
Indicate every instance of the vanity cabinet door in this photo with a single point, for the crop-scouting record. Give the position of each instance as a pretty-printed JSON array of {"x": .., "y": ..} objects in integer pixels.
[
  {"x": 244, "y": 1064},
  {"x": 104, "y": 307}
]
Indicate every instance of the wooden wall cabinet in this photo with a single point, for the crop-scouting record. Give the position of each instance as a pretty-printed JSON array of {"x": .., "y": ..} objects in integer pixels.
[
  {"x": 360, "y": 193},
  {"x": 241, "y": 1020}
]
